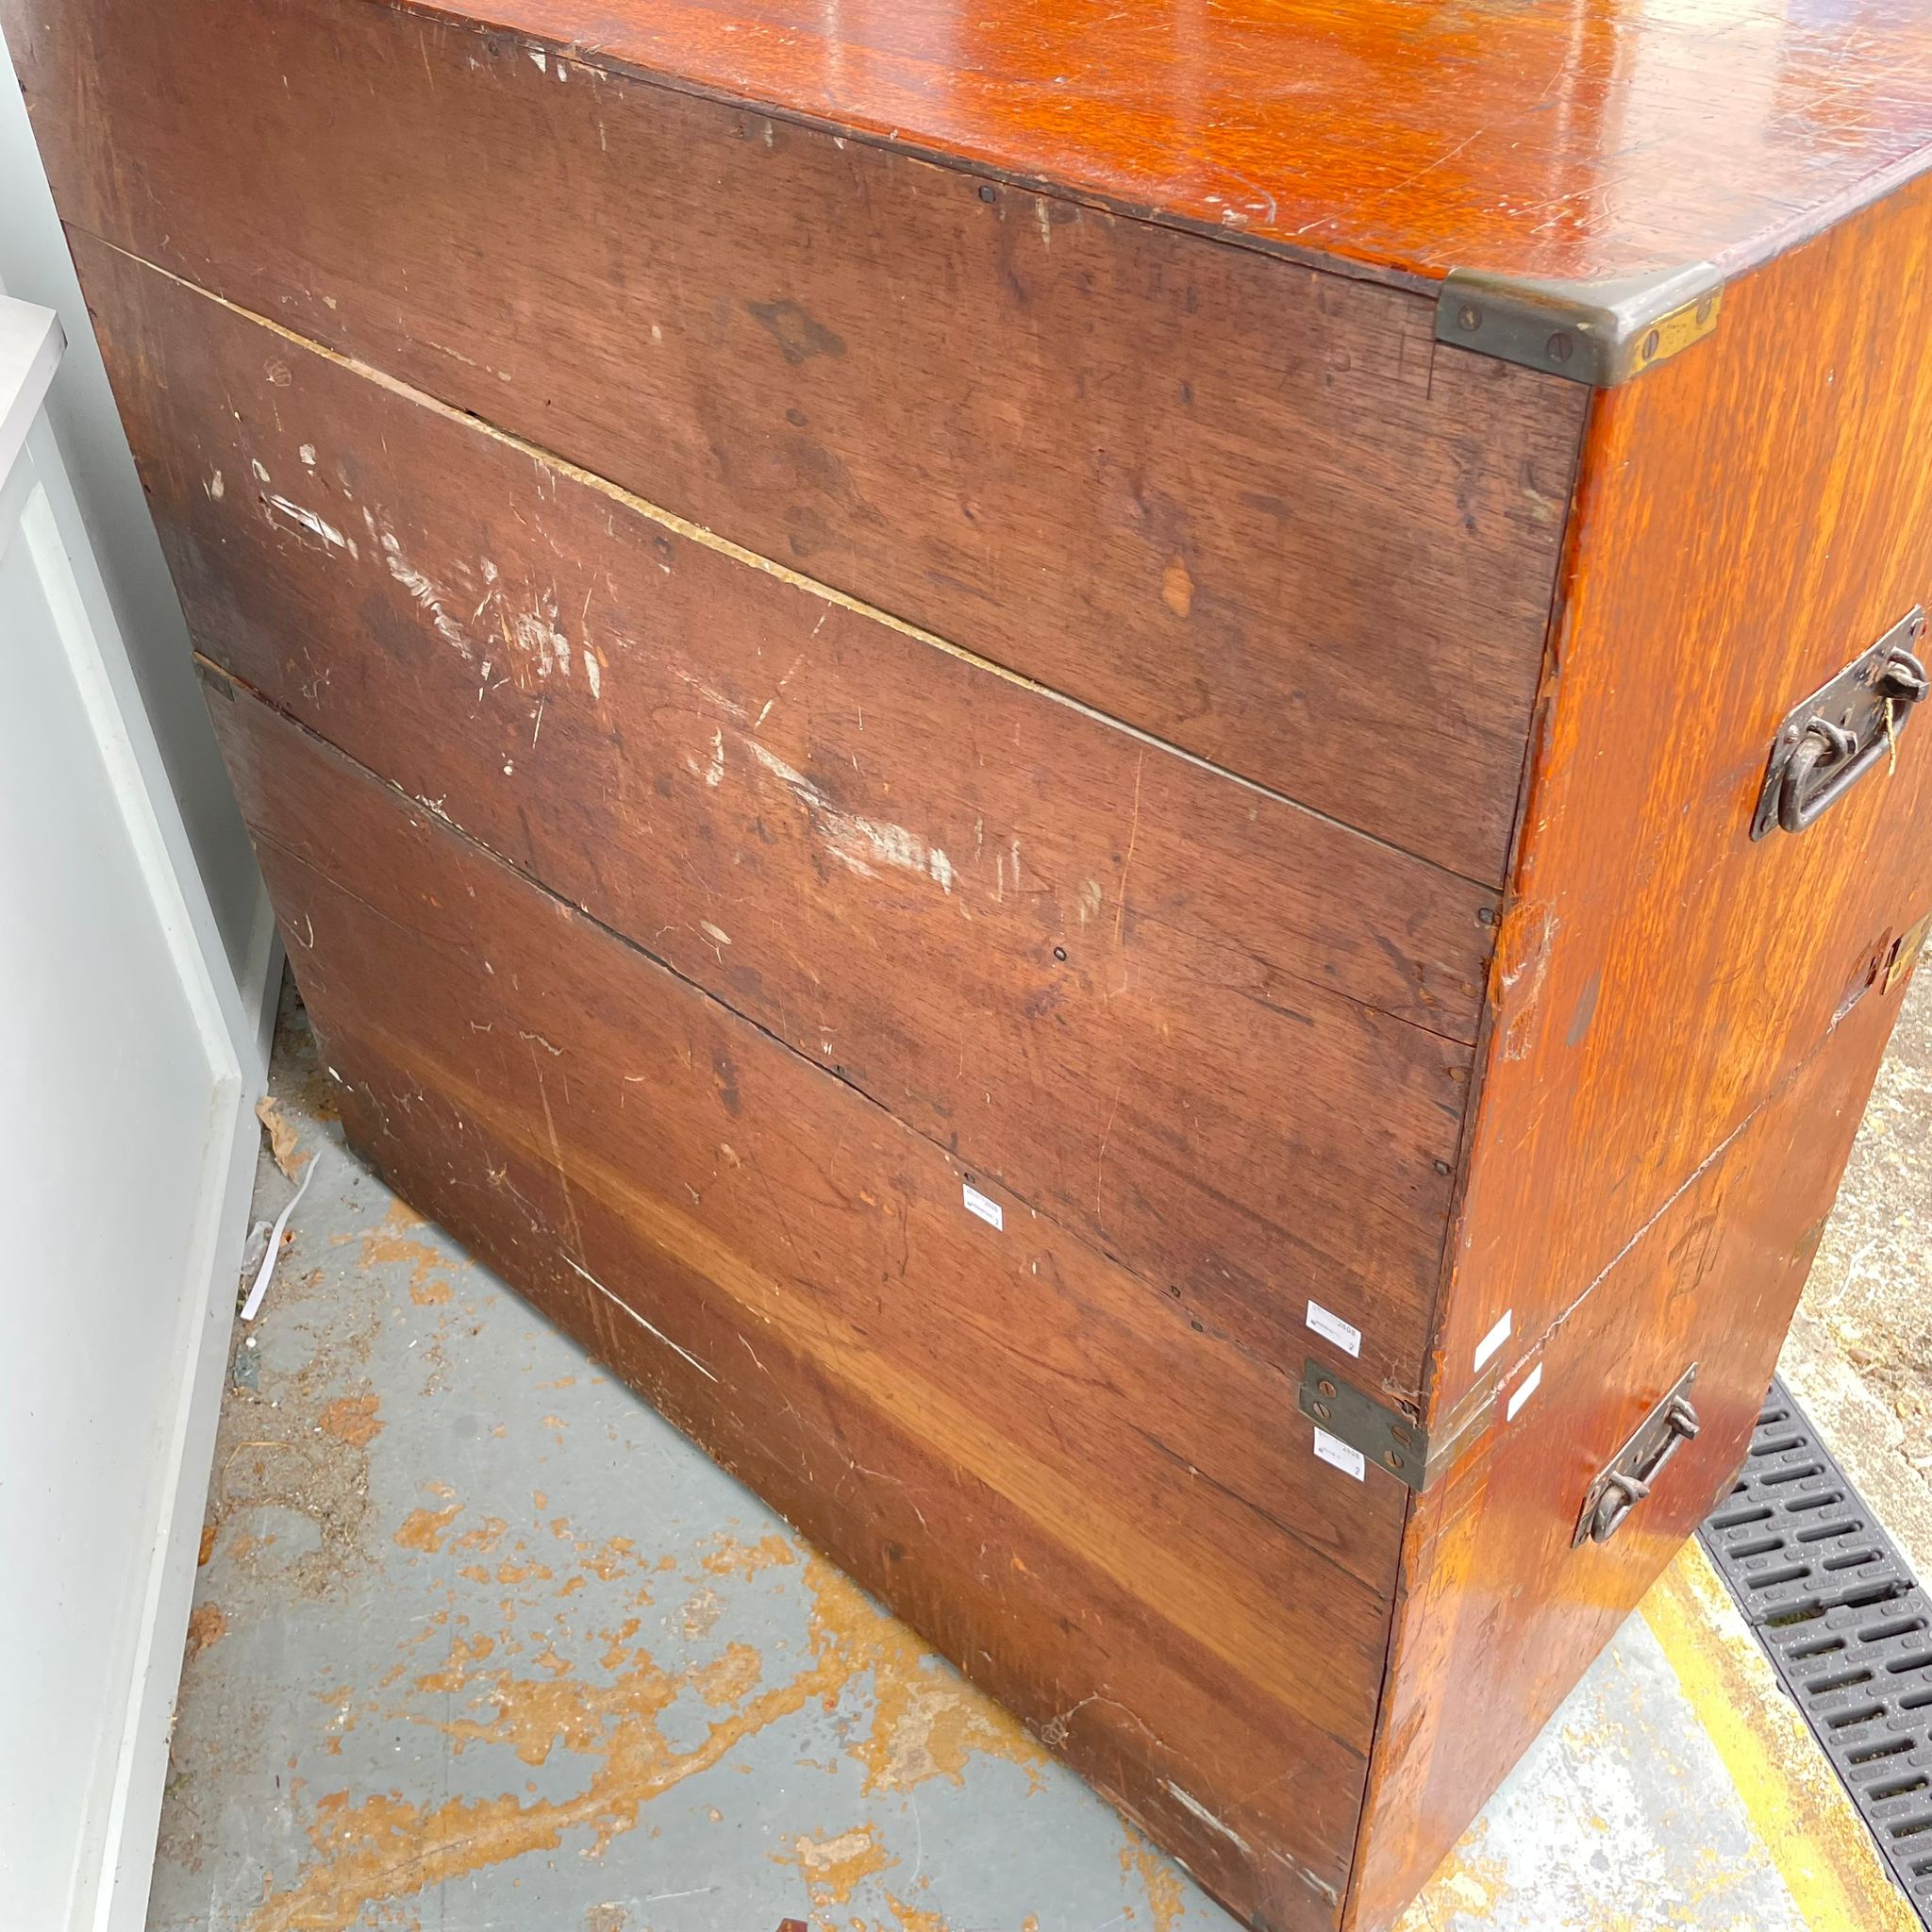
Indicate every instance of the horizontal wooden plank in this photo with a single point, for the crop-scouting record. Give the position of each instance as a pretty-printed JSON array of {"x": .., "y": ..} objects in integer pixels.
[
  {"x": 1250, "y": 508},
  {"x": 1114, "y": 1523},
  {"x": 1200, "y": 1026}
]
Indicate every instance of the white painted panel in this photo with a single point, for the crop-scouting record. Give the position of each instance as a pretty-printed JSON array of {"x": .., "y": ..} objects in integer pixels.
[{"x": 125, "y": 1148}]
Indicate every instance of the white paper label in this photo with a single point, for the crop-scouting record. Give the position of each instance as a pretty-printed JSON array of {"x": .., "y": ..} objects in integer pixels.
[
  {"x": 1524, "y": 1390},
  {"x": 989, "y": 1212},
  {"x": 1494, "y": 1340},
  {"x": 1333, "y": 1329},
  {"x": 1339, "y": 1455}
]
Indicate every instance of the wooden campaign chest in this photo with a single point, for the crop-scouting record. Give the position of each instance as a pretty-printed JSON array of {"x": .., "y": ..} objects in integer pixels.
[{"x": 1133, "y": 787}]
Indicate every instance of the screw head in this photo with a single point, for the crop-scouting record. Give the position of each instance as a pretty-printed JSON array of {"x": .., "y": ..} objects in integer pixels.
[
  {"x": 1705, "y": 308},
  {"x": 1326, "y": 1387},
  {"x": 988, "y": 192},
  {"x": 1652, "y": 343},
  {"x": 1470, "y": 317},
  {"x": 1393, "y": 1460},
  {"x": 1560, "y": 347},
  {"x": 1322, "y": 1410}
]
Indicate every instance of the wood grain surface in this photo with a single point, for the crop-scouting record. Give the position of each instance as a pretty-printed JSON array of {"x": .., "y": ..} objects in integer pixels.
[
  {"x": 1657, "y": 973},
  {"x": 1251, "y": 508},
  {"x": 1403, "y": 138},
  {"x": 1112, "y": 1523},
  {"x": 1499, "y": 1616},
  {"x": 1225, "y": 1039},
  {"x": 1686, "y": 1024}
]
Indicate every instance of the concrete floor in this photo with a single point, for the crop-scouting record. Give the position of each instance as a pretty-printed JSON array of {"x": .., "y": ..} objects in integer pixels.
[{"x": 480, "y": 1642}]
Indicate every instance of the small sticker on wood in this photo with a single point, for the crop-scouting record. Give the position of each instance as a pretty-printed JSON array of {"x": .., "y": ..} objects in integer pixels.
[
  {"x": 1524, "y": 1390},
  {"x": 1494, "y": 1340},
  {"x": 1331, "y": 1328},
  {"x": 989, "y": 1210},
  {"x": 1337, "y": 1454}
]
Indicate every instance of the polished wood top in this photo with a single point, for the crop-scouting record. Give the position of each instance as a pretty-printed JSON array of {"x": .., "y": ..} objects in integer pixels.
[{"x": 1580, "y": 140}]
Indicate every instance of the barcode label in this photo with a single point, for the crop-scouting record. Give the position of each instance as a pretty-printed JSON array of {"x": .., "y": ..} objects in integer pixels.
[
  {"x": 1339, "y": 1455},
  {"x": 989, "y": 1212},
  {"x": 1331, "y": 1328}
]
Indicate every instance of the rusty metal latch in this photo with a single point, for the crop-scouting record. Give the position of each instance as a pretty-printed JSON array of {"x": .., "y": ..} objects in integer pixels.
[
  {"x": 1626, "y": 1479},
  {"x": 1843, "y": 729}
]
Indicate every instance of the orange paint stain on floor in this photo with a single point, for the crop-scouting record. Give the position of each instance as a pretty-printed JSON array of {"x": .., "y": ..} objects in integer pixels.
[
  {"x": 730, "y": 1557},
  {"x": 390, "y": 1243},
  {"x": 207, "y": 1623},
  {"x": 352, "y": 1419},
  {"x": 730, "y": 1677},
  {"x": 911, "y": 1919},
  {"x": 425, "y": 1529},
  {"x": 380, "y": 1849},
  {"x": 833, "y": 1868},
  {"x": 483, "y": 1538},
  {"x": 1162, "y": 1882}
]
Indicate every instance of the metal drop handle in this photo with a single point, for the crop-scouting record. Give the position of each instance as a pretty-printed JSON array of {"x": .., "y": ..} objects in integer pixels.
[
  {"x": 1629, "y": 1475},
  {"x": 1829, "y": 758},
  {"x": 1622, "y": 1489}
]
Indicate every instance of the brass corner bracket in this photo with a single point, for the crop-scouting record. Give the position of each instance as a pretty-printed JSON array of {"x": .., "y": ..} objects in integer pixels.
[{"x": 1599, "y": 333}]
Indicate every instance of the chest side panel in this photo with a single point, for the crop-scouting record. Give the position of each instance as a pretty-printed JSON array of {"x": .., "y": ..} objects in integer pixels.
[
  {"x": 1686, "y": 1023},
  {"x": 1752, "y": 518},
  {"x": 1218, "y": 1036},
  {"x": 1251, "y": 508},
  {"x": 1501, "y": 1609},
  {"x": 1107, "y": 1519}
]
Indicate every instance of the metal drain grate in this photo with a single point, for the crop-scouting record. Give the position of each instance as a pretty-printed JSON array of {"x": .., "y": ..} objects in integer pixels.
[{"x": 1846, "y": 1625}]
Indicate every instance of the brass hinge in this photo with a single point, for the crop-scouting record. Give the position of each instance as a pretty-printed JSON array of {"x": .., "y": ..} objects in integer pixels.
[
  {"x": 1601, "y": 333},
  {"x": 1389, "y": 1438}
]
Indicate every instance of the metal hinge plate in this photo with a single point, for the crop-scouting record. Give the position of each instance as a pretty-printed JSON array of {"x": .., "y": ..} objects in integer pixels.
[{"x": 1388, "y": 1438}]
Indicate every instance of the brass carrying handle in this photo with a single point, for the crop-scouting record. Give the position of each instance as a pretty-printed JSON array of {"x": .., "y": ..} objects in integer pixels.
[
  {"x": 1829, "y": 758},
  {"x": 1622, "y": 1490}
]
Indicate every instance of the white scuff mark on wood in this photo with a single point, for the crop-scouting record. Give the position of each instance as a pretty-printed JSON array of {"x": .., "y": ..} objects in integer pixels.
[
  {"x": 424, "y": 591},
  {"x": 594, "y": 673},
  {"x": 307, "y": 519},
  {"x": 307, "y": 455},
  {"x": 780, "y": 692},
  {"x": 215, "y": 488},
  {"x": 537, "y": 635},
  {"x": 715, "y": 933},
  {"x": 1044, "y": 213},
  {"x": 857, "y": 842},
  {"x": 714, "y": 772},
  {"x": 1190, "y": 1804},
  {"x": 1522, "y": 964},
  {"x": 539, "y": 60},
  {"x": 730, "y": 707},
  {"x": 261, "y": 474},
  {"x": 650, "y": 1327}
]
